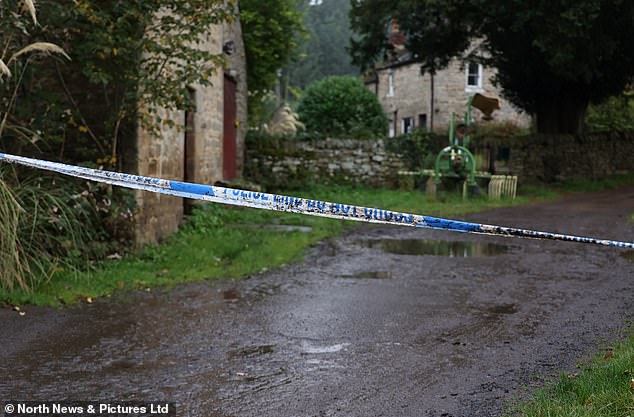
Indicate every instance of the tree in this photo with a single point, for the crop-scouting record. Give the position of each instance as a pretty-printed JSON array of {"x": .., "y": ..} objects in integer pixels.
[
  {"x": 553, "y": 58},
  {"x": 341, "y": 106},
  {"x": 324, "y": 53},
  {"x": 270, "y": 30}
]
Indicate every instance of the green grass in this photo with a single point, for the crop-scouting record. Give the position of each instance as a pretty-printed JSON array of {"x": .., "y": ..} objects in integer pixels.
[
  {"x": 604, "y": 388},
  {"x": 222, "y": 241}
]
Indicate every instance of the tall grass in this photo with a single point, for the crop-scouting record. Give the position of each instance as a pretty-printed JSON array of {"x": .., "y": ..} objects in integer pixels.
[
  {"x": 42, "y": 226},
  {"x": 14, "y": 270}
]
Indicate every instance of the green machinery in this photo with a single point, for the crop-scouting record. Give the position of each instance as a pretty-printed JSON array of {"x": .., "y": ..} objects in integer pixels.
[
  {"x": 455, "y": 164},
  {"x": 456, "y": 161}
]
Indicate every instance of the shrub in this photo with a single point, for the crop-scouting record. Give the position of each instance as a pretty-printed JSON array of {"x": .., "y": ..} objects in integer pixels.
[
  {"x": 340, "y": 106},
  {"x": 416, "y": 148},
  {"x": 616, "y": 113}
]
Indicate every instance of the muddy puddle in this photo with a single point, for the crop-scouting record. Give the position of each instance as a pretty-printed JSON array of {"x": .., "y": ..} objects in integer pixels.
[
  {"x": 249, "y": 351},
  {"x": 368, "y": 275},
  {"x": 450, "y": 248}
]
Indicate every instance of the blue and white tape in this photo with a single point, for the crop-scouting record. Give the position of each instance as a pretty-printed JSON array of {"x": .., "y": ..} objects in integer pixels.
[{"x": 277, "y": 202}]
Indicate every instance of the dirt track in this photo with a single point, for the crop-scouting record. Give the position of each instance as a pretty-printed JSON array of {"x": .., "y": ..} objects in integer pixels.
[{"x": 370, "y": 325}]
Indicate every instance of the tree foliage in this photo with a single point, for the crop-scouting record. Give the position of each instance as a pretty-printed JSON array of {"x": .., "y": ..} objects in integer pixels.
[
  {"x": 324, "y": 52},
  {"x": 48, "y": 223},
  {"x": 340, "y": 106},
  {"x": 616, "y": 113},
  {"x": 270, "y": 30},
  {"x": 553, "y": 58},
  {"x": 128, "y": 61}
]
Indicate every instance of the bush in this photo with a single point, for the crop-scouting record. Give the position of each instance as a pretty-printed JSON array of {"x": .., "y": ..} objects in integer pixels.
[
  {"x": 616, "y": 113},
  {"x": 416, "y": 148},
  {"x": 340, "y": 106}
]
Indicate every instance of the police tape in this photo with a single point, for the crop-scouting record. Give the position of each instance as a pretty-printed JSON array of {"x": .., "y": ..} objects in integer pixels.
[{"x": 284, "y": 203}]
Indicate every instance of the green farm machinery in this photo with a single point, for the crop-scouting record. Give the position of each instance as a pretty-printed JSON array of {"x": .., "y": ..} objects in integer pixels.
[{"x": 455, "y": 165}]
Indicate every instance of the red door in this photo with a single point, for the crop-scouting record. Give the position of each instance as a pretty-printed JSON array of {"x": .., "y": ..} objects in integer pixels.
[{"x": 229, "y": 130}]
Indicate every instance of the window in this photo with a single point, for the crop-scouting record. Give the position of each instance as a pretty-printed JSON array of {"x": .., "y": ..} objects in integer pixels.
[
  {"x": 392, "y": 132},
  {"x": 407, "y": 124},
  {"x": 390, "y": 84},
  {"x": 422, "y": 121},
  {"x": 474, "y": 76}
]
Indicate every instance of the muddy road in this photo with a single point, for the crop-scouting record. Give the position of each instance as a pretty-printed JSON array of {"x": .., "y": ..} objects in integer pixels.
[{"x": 385, "y": 321}]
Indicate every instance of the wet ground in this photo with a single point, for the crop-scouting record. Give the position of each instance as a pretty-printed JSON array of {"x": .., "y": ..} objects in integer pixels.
[{"x": 386, "y": 321}]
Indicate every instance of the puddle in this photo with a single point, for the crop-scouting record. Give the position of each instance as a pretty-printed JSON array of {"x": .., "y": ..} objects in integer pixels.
[
  {"x": 500, "y": 309},
  {"x": 249, "y": 351},
  {"x": 307, "y": 349},
  {"x": 369, "y": 275},
  {"x": 450, "y": 248}
]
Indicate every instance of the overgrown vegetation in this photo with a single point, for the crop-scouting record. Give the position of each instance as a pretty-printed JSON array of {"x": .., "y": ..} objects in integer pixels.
[
  {"x": 616, "y": 113},
  {"x": 126, "y": 60},
  {"x": 498, "y": 129},
  {"x": 416, "y": 148},
  {"x": 603, "y": 388},
  {"x": 51, "y": 224},
  {"x": 340, "y": 106}
]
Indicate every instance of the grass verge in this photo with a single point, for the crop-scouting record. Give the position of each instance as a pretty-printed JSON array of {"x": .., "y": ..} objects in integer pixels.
[
  {"x": 221, "y": 241},
  {"x": 604, "y": 388}
]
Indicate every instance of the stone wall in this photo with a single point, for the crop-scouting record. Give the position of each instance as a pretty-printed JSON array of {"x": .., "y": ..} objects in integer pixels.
[
  {"x": 282, "y": 163},
  {"x": 549, "y": 158}
]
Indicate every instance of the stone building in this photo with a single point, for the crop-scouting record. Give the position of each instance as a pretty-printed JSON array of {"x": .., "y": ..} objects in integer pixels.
[
  {"x": 209, "y": 149},
  {"x": 412, "y": 99}
]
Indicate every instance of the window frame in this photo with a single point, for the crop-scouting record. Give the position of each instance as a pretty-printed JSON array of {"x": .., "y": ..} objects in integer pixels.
[
  {"x": 473, "y": 87},
  {"x": 410, "y": 126},
  {"x": 390, "y": 84}
]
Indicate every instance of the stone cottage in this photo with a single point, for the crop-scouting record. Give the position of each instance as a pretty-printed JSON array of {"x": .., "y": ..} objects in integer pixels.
[
  {"x": 412, "y": 99},
  {"x": 210, "y": 147}
]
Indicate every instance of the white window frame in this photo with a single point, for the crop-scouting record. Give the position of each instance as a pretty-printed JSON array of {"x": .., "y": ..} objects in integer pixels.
[
  {"x": 390, "y": 84},
  {"x": 391, "y": 133},
  {"x": 471, "y": 87},
  {"x": 411, "y": 125}
]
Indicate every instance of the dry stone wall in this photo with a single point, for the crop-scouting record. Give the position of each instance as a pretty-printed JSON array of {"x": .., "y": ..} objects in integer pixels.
[
  {"x": 283, "y": 163},
  {"x": 277, "y": 163},
  {"x": 552, "y": 158}
]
